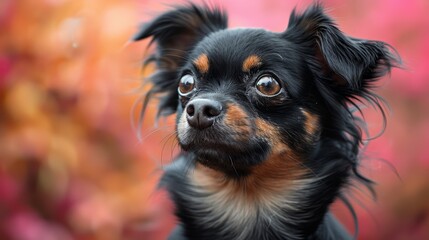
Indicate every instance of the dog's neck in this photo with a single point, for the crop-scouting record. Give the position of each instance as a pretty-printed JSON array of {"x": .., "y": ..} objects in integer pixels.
[{"x": 281, "y": 200}]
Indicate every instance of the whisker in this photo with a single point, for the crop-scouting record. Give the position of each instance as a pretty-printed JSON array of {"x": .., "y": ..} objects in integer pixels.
[
  {"x": 165, "y": 140},
  {"x": 154, "y": 130},
  {"x": 232, "y": 164}
]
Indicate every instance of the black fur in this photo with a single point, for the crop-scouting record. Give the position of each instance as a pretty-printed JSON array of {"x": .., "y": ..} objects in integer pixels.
[{"x": 321, "y": 71}]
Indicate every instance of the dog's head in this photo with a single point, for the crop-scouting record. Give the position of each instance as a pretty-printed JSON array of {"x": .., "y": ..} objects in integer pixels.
[{"x": 244, "y": 96}]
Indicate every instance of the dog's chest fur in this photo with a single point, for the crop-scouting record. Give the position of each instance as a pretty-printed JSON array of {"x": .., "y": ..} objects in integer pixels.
[{"x": 238, "y": 209}]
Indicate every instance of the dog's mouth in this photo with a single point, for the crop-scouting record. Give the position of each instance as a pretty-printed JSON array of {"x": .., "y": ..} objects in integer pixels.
[
  {"x": 228, "y": 142},
  {"x": 220, "y": 152}
]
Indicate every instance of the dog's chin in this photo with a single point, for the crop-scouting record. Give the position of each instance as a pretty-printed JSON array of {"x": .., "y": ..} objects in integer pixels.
[{"x": 232, "y": 158}]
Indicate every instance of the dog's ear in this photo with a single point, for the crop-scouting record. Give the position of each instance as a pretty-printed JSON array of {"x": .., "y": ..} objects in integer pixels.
[
  {"x": 348, "y": 65},
  {"x": 176, "y": 33}
]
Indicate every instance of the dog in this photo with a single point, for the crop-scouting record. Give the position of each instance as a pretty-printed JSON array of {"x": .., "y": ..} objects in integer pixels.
[{"x": 266, "y": 121}]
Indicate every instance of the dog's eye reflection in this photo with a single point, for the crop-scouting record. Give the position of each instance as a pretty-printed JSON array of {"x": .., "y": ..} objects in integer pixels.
[
  {"x": 268, "y": 86},
  {"x": 186, "y": 84}
]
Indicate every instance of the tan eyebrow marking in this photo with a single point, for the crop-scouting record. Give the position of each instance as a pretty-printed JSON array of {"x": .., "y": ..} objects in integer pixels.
[
  {"x": 202, "y": 63},
  {"x": 250, "y": 62}
]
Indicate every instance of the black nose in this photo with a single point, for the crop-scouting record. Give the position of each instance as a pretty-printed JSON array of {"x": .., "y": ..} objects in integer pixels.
[{"x": 201, "y": 113}]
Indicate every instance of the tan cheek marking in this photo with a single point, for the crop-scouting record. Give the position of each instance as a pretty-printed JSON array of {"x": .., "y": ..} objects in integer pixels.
[
  {"x": 251, "y": 62},
  {"x": 202, "y": 63},
  {"x": 311, "y": 122},
  {"x": 282, "y": 165},
  {"x": 238, "y": 121},
  {"x": 265, "y": 129},
  {"x": 270, "y": 132}
]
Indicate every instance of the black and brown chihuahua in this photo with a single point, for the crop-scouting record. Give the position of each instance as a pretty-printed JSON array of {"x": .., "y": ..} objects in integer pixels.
[{"x": 265, "y": 121}]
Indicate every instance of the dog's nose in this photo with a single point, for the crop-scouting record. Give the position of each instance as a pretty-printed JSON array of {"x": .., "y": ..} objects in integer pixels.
[{"x": 201, "y": 113}]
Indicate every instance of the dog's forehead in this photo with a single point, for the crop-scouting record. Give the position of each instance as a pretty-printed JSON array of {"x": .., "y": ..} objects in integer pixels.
[{"x": 235, "y": 50}]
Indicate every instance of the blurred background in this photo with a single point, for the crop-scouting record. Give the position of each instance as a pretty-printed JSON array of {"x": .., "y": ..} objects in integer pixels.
[{"x": 72, "y": 167}]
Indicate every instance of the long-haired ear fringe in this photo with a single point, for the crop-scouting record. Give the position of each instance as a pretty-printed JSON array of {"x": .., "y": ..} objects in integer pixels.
[
  {"x": 175, "y": 34},
  {"x": 345, "y": 70},
  {"x": 351, "y": 63}
]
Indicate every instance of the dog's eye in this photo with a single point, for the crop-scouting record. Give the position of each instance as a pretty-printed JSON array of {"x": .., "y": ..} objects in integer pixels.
[
  {"x": 186, "y": 84},
  {"x": 268, "y": 86}
]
